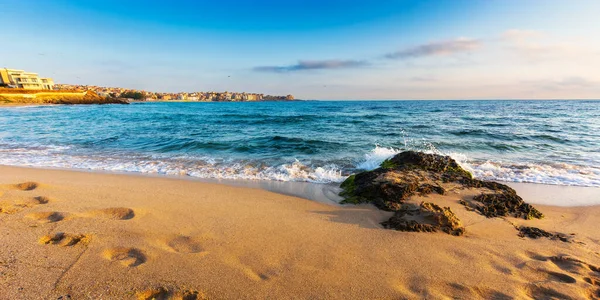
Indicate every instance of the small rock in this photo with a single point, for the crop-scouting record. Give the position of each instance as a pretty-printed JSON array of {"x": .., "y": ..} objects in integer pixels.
[
  {"x": 428, "y": 217},
  {"x": 506, "y": 204},
  {"x": 536, "y": 233}
]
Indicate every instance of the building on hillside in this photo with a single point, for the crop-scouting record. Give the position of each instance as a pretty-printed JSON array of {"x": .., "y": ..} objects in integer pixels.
[
  {"x": 47, "y": 83},
  {"x": 25, "y": 80}
]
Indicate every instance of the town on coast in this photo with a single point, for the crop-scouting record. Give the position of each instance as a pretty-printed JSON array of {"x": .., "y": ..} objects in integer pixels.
[{"x": 19, "y": 86}]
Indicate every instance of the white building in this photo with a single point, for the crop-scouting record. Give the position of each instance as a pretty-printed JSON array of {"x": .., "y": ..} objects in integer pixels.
[{"x": 25, "y": 80}]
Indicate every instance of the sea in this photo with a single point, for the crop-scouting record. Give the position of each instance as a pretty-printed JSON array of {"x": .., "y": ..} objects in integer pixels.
[{"x": 323, "y": 142}]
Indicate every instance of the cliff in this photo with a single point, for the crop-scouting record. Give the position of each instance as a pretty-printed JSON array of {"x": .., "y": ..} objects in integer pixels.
[{"x": 22, "y": 96}]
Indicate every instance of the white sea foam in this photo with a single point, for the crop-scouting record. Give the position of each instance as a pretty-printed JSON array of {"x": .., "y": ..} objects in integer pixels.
[
  {"x": 556, "y": 174},
  {"x": 295, "y": 171},
  {"x": 374, "y": 158},
  {"x": 208, "y": 167}
]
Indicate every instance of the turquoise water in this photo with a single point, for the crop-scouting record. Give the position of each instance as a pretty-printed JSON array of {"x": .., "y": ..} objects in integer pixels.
[{"x": 553, "y": 142}]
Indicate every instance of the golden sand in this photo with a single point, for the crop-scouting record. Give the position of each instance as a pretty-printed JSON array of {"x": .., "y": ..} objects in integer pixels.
[{"x": 105, "y": 236}]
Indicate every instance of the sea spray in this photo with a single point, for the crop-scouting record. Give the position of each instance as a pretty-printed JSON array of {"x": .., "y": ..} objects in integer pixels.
[{"x": 376, "y": 156}]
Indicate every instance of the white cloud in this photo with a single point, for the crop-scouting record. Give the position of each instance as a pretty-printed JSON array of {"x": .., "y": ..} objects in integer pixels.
[
  {"x": 536, "y": 46},
  {"x": 442, "y": 48}
]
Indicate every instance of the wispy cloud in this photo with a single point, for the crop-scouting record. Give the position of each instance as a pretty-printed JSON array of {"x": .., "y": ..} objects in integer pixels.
[
  {"x": 423, "y": 79},
  {"x": 437, "y": 49},
  {"x": 314, "y": 65},
  {"x": 566, "y": 83},
  {"x": 521, "y": 35},
  {"x": 535, "y": 46},
  {"x": 573, "y": 82},
  {"x": 576, "y": 82},
  {"x": 448, "y": 47}
]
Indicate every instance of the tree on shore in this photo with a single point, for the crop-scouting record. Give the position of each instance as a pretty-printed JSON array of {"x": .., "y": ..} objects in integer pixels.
[{"x": 132, "y": 95}]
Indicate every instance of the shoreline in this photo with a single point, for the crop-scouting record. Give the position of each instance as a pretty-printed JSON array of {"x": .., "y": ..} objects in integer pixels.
[
  {"x": 88, "y": 234},
  {"x": 534, "y": 193},
  {"x": 15, "y": 104},
  {"x": 319, "y": 192}
]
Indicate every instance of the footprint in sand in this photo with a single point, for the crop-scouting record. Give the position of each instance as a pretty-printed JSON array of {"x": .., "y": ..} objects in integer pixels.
[
  {"x": 536, "y": 256},
  {"x": 115, "y": 213},
  {"x": 573, "y": 265},
  {"x": 560, "y": 277},
  {"x": 163, "y": 293},
  {"x": 185, "y": 244},
  {"x": 589, "y": 273},
  {"x": 64, "y": 239},
  {"x": 250, "y": 272},
  {"x": 11, "y": 208},
  {"x": 476, "y": 292},
  {"x": 47, "y": 217},
  {"x": 539, "y": 292},
  {"x": 39, "y": 200},
  {"x": 577, "y": 270},
  {"x": 26, "y": 186},
  {"x": 130, "y": 257}
]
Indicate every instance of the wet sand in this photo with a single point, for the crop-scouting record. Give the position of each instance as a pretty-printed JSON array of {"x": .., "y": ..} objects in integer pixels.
[{"x": 113, "y": 236}]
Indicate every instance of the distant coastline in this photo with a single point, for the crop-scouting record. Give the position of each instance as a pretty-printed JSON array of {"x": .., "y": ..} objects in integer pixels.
[
  {"x": 19, "y": 86},
  {"x": 66, "y": 94},
  {"x": 141, "y": 95}
]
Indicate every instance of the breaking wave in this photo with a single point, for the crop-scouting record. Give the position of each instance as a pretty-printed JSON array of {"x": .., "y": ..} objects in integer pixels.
[
  {"x": 328, "y": 172},
  {"x": 555, "y": 174}
]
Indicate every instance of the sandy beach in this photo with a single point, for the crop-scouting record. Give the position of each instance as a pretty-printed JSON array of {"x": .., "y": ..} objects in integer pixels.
[
  {"x": 110, "y": 236},
  {"x": 300, "y": 150}
]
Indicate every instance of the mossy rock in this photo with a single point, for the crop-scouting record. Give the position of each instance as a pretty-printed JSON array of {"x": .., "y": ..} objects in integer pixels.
[
  {"x": 506, "y": 204},
  {"x": 401, "y": 177},
  {"x": 410, "y": 173},
  {"x": 348, "y": 191},
  {"x": 388, "y": 164}
]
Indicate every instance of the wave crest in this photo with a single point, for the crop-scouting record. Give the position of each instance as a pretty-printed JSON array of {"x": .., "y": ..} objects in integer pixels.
[
  {"x": 374, "y": 158},
  {"x": 307, "y": 171}
]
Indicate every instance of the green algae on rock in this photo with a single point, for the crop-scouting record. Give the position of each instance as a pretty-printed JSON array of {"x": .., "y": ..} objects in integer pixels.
[
  {"x": 388, "y": 164},
  {"x": 411, "y": 173},
  {"x": 401, "y": 177}
]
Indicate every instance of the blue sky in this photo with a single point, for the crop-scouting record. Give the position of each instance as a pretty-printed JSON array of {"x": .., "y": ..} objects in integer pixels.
[{"x": 445, "y": 49}]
